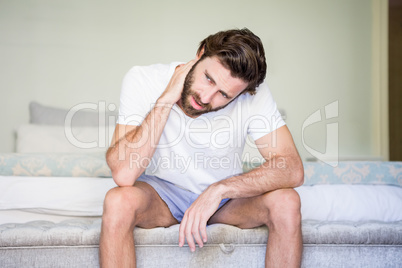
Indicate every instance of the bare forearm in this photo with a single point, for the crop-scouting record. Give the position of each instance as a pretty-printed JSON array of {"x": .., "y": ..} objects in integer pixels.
[
  {"x": 267, "y": 177},
  {"x": 129, "y": 157}
]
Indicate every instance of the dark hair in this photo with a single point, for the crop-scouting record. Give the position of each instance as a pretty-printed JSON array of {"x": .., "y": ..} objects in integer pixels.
[{"x": 241, "y": 52}]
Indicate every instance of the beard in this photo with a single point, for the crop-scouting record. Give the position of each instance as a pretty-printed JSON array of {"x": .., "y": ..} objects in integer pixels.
[{"x": 188, "y": 92}]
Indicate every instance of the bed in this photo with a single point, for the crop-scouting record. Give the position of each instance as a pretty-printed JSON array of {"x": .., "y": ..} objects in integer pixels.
[{"x": 51, "y": 196}]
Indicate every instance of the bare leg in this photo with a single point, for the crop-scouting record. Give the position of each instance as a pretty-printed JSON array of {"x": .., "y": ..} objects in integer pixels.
[
  {"x": 280, "y": 211},
  {"x": 125, "y": 208}
]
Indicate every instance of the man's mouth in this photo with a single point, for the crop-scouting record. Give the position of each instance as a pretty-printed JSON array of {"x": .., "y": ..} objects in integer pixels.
[{"x": 195, "y": 104}]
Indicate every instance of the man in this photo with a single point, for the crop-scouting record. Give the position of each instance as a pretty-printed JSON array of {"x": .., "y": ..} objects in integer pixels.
[{"x": 185, "y": 126}]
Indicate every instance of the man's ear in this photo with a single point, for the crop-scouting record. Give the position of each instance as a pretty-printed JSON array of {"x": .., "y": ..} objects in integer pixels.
[{"x": 200, "y": 53}]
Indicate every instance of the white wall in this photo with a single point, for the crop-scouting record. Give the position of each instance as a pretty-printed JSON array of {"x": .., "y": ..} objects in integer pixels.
[{"x": 62, "y": 53}]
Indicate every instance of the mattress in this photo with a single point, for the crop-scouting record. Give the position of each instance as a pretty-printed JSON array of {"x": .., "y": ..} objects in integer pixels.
[{"x": 55, "y": 199}]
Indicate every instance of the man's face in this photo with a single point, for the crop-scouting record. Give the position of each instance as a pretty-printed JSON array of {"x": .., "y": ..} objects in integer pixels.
[{"x": 209, "y": 87}]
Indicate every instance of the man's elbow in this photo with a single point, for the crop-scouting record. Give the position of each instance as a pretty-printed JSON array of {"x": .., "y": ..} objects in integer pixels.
[
  {"x": 121, "y": 179},
  {"x": 110, "y": 159},
  {"x": 295, "y": 171},
  {"x": 124, "y": 177},
  {"x": 298, "y": 174}
]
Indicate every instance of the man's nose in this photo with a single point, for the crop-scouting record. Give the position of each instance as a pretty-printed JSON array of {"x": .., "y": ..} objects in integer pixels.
[{"x": 207, "y": 95}]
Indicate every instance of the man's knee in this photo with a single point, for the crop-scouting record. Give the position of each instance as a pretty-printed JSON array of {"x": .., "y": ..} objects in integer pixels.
[
  {"x": 120, "y": 207},
  {"x": 283, "y": 209}
]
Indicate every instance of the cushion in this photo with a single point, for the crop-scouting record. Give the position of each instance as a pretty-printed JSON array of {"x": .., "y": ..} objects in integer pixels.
[
  {"x": 54, "y": 164},
  {"x": 82, "y": 115},
  {"x": 353, "y": 172},
  {"x": 32, "y": 138}
]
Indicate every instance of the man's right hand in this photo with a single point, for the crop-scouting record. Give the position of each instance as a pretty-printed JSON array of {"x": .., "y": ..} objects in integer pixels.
[
  {"x": 172, "y": 93},
  {"x": 122, "y": 171}
]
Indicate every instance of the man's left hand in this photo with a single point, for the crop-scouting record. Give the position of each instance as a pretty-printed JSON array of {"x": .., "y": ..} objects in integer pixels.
[{"x": 196, "y": 217}]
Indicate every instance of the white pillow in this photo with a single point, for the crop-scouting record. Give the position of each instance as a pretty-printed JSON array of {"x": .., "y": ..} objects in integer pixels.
[
  {"x": 351, "y": 202},
  {"x": 88, "y": 115},
  {"x": 33, "y": 138}
]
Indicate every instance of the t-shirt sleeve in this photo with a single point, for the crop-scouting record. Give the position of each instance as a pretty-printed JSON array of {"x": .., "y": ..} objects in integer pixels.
[
  {"x": 135, "y": 98},
  {"x": 264, "y": 117}
]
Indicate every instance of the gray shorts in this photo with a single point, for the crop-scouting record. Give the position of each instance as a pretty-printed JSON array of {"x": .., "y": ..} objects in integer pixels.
[{"x": 177, "y": 199}]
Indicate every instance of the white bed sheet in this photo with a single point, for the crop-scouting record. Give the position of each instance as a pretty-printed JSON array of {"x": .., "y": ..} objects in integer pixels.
[
  {"x": 40, "y": 198},
  {"x": 24, "y": 199}
]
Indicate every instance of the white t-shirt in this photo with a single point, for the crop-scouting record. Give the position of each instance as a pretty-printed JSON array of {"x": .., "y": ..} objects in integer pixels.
[{"x": 196, "y": 152}]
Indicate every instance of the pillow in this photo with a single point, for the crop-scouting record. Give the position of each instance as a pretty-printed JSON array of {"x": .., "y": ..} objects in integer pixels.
[
  {"x": 351, "y": 202},
  {"x": 82, "y": 115},
  {"x": 54, "y": 165},
  {"x": 354, "y": 172},
  {"x": 32, "y": 138}
]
